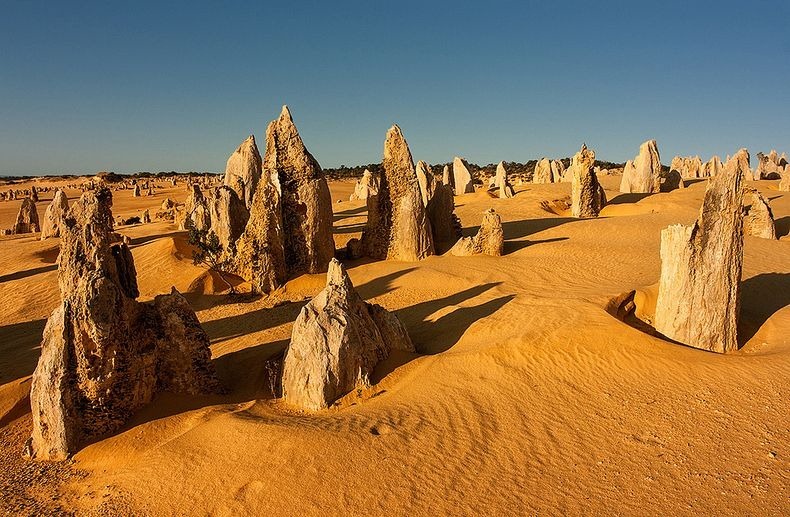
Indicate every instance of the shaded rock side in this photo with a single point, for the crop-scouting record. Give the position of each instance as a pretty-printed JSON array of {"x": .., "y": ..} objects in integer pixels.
[
  {"x": 26, "y": 218},
  {"x": 336, "y": 343},
  {"x": 489, "y": 240},
  {"x": 587, "y": 194}
]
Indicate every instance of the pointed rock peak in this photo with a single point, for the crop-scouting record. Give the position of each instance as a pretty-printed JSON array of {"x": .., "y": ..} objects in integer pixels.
[
  {"x": 396, "y": 147},
  {"x": 336, "y": 275},
  {"x": 285, "y": 113}
]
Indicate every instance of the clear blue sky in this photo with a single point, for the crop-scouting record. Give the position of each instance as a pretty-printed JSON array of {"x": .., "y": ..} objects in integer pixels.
[{"x": 89, "y": 86}]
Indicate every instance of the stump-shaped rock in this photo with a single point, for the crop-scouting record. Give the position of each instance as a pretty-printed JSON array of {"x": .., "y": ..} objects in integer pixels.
[
  {"x": 398, "y": 227},
  {"x": 643, "y": 175},
  {"x": 489, "y": 240},
  {"x": 305, "y": 200},
  {"x": 136, "y": 191},
  {"x": 243, "y": 170},
  {"x": 336, "y": 342},
  {"x": 462, "y": 178},
  {"x": 543, "y": 172},
  {"x": 587, "y": 194},
  {"x": 105, "y": 355},
  {"x": 699, "y": 290},
  {"x": 758, "y": 219},
  {"x": 53, "y": 216},
  {"x": 27, "y": 218}
]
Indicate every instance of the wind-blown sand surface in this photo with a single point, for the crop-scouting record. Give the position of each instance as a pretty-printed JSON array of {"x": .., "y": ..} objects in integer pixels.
[{"x": 526, "y": 395}]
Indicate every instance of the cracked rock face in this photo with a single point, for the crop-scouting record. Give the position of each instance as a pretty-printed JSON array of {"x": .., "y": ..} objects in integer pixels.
[
  {"x": 643, "y": 175},
  {"x": 105, "y": 355},
  {"x": 398, "y": 227},
  {"x": 243, "y": 170},
  {"x": 758, "y": 218},
  {"x": 587, "y": 194},
  {"x": 336, "y": 342},
  {"x": 699, "y": 291},
  {"x": 489, "y": 240}
]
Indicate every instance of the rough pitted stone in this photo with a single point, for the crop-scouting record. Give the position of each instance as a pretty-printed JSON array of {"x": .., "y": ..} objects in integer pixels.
[
  {"x": 53, "y": 216},
  {"x": 366, "y": 186},
  {"x": 489, "y": 240},
  {"x": 336, "y": 342},
  {"x": 196, "y": 212},
  {"x": 770, "y": 166},
  {"x": 543, "y": 172},
  {"x": 26, "y": 218},
  {"x": 699, "y": 290},
  {"x": 587, "y": 194},
  {"x": 758, "y": 218},
  {"x": 462, "y": 178},
  {"x": 243, "y": 170},
  {"x": 445, "y": 225},
  {"x": 305, "y": 200},
  {"x": 398, "y": 227},
  {"x": 740, "y": 161},
  {"x": 643, "y": 175},
  {"x": 228, "y": 216},
  {"x": 260, "y": 256},
  {"x": 105, "y": 355},
  {"x": 425, "y": 181},
  {"x": 502, "y": 183}
]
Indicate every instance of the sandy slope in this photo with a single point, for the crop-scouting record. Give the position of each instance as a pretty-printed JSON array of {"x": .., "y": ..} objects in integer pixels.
[{"x": 526, "y": 395}]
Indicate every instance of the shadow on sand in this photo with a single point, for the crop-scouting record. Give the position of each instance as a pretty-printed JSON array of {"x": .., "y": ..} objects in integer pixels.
[
  {"x": 782, "y": 226},
  {"x": 761, "y": 297},
  {"x": 627, "y": 198},
  {"x": 19, "y": 349},
  {"x": 26, "y": 273}
]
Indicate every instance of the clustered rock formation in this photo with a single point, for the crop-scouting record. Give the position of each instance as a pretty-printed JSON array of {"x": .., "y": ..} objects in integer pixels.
[
  {"x": 26, "y": 218},
  {"x": 770, "y": 166},
  {"x": 398, "y": 227},
  {"x": 587, "y": 194},
  {"x": 758, "y": 218},
  {"x": 336, "y": 342},
  {"x": 243, "y": 170},
  {"x": 366, "y": 186},
  {"x": 699, "y": 290},
  {"x": 784, "y": 183},
  {"x": 713, "y": 167},
  {"x": 462, "y": 178},
  {"x": 489, "y": 239},
  {"x": 688, "y": 167},
  {"x": 290, "y": 225},
  {"x": 53, "y": 216},
  {"x": 104, "y": 355},
  {"x": 643, "y": 175}
]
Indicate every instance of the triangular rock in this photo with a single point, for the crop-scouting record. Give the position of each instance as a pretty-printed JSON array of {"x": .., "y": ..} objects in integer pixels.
[{"x": 243, "y": 170}]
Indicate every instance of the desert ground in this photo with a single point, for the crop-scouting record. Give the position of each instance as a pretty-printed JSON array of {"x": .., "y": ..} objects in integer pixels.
[{"x": 525, "y": 397}]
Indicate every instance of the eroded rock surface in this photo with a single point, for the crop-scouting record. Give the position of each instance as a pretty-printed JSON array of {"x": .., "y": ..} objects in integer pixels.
[
  {"x": 462, "y": 178},
  {"x": 587, "y": 194},
  {"x": 243, "y": 170},
  {"x": 26, "y": 218},
  {"x": 643, "y": 175},
  {"x": 53, "y": 216},
  {"x": 489, "y": 240},
  {"x": 758, "y": 218}
]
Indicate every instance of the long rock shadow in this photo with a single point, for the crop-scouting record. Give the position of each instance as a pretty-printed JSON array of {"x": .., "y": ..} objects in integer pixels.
[
  {"x": 28, "y": 272},
  {"x": 351, "y": 212},
  {"x": 761, "y": 297},
  {"x": 627, "y": 198},
  {"x": 19, "y": 349},
  {"x": 782, "y": 226},
  {"x": 514, "y": 246},
  {"x": 518, "y": 229}
]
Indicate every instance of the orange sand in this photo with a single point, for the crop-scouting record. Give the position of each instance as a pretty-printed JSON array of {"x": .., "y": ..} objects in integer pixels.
[{"x": 526, "y": 397}]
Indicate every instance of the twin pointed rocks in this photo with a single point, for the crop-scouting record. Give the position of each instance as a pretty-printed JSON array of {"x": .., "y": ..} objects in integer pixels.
[
  {"x": 699, "y": 289},
  {"x": 336, "y": 342},
  {"x": 104, "y": 355},
  {"x": 643, "y": 174}
]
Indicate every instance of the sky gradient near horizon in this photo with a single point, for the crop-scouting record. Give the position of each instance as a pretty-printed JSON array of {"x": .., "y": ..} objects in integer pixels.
[{"x": 150, "y": 86}]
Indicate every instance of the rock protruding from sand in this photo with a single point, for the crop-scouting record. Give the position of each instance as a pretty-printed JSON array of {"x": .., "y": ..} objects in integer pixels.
[
  {"x": 758, "y": 219},
  {"x": 587, "y": 194},
  {"x": 688, "y": 167},
  {"x": 136, "y": 191},
  {"x": 305, "y": 200},
  {"x": 462, "y": 178},
  {"x": 543, "y": 172},
  {"x": 643, "y": 175},
  {"x": 447, "y": 178},
  {"x": 425, "y": 181},
  {"x": 713, "y": 167},
  {"x": 104, "y": 355},
  {"x": 243, "y": 170},
  {"x": 53, "y": 216},
  {"x": 398, "y": 227},
  {"x": 336, "y": 342},
  {"x": 260, "y": 253},
  {"x": 366, "y": 186},
  {"x": 699, "y": 290},
  {"x": 770, "y": 166},
  {"x": 445, "y": 225},
  {"x": 146, "y": 216},
  {"x": 489, "y": 240},
  {"x": 557, "y": 171},
  {"x": 501, "y": 181},
  {"x": 784, "y": 183},
  {"x": 740, "y": 161},
  {"x": 196, "y": 213},
  {"x": 228, "y": 216},
  {"x": 26, "y": 218}
]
